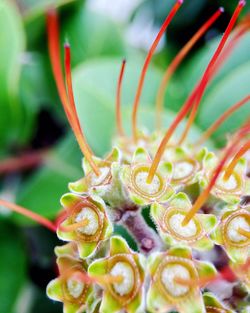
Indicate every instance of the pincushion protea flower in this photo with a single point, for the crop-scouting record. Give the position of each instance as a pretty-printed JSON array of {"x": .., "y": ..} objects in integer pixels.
[{"x": 194, "y": 196}]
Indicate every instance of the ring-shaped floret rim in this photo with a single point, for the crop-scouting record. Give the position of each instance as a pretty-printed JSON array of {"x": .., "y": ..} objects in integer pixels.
[
  {"x": 168, "y": 218},
  {"x": 104, "y": 178},
  {"x": 235, "y": 179},
  {"x": 67, "y": 295},
  {"x": 172, "y": 261},
  {"x": 192, "y": 170},
  {"x": 128, "y": 259},
  {"x": 100, "y": 215},
  {"x": 138, "y": 182},
  {"x": 226, "y": 224}
]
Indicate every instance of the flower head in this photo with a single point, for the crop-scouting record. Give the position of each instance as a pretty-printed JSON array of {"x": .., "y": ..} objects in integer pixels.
[
  {"x": 86, "y": 222},
  {"x": 169, "y": 218},
  {"x": 171, "y": 273},
  {"x": 228, "y": 189},
  {"x": 134, "y": 177},
  {"x": 233, "y": 233},
  {"x": 121, "y": 275},
  {"x": 70, "y": 287}
]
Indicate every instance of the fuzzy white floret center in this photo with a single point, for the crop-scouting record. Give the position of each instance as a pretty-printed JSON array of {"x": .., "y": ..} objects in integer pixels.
[
  {"x": 229, "y": 184},
  {"x": 168, "y": 276},
  {"x": 141, "y": 182},
  {"x": 92, "y": 221},
  {"x": 126, "y": 285},
  {"x": 75, "y": 287},
  {"x": 182, "y": 169},
  {"x": 233, "y": 229},
  {"x": 188, "y": 230},
  {"x": 96, "y": 180}
]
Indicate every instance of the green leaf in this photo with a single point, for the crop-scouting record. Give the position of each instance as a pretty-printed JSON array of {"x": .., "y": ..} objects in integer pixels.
[
  {"x": 189, "y": 74},
  {"x": 12, "y": 266},
  {"x": 12, "y": 44},
  {"x": 197, "y": 64},
  {"x": 36, "y": 91},
  {"x": 34, "y": 17},
  {"x": 41, "y": 192},
  {"x": 91, "y": 34}
]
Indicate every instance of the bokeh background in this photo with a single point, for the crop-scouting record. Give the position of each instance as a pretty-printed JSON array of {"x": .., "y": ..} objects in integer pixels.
[{"x": 38, "y": 153}]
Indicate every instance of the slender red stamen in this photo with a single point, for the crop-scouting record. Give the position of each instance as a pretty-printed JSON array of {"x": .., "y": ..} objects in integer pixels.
[
  {"x": 69, "y": 107},
  {"x": 74, "y": 226},
  {"x": 197, "y": 93},
  {"x": 204, "y": 195},
  {"x": 221, "y": 119},
  {"x": 209, "y": 73},
  {"x": 68, "y": 211},
  {"x": 77, "y": 128},
  {"x": 118, "y": 101},
  {"x": 244, "y": 232},
  {"x": 62, "y": 215},
  {"x": 82, "y": 276},
  {"x": 71, "y": 102},
  {"x": 146, "y": 64},
  {"x": 176, "y": 62},
  {"x": 233, "y": 163},
  {"x": 197, "y": 282},
  {"x": 34, "y": 216},
  {"x": 103, "y": 279},
  {"x": 226, "y": 273},
  {"x": 23, "y": 162},
  {"x": 54, "y": 52}
]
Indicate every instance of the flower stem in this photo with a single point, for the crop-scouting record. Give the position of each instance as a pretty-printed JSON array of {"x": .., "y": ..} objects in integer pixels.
[{"x": 145, "y": 237}]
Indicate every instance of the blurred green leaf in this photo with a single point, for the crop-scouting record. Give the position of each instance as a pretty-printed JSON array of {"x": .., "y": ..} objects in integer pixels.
[
  {"x": 230, "y": 5},
  {"x": 188, "y": 12},
  {"x": 229, "y": 90},
  {"x": 32, "y": 9},
  {"x": 190, "y": 73},
  {"x": 34, "y": 17},
  {"x": 12, "y": 266},
  {"x": 91, "y": 34},
  {"x": 193, "y": 71},
  {"x": 95, "y": 88},
  {"x": 12, "y": 42},
  {"x": 36, "y": 91},
  {"x": 41, "y": 192}
]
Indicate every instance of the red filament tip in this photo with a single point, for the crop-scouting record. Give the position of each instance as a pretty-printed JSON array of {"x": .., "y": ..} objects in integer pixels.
[
  {"x": 221, "y": 119},
  {"x": 72, "y": 108},
  {"x": 34, "y": 216},
  {"x": 146, "y": 64},
  {"x": 233, "y": 163},
  {"x": 209, "y": 73},
  {"x": 204, "y": 195},
  {"x": 67, "y": 102},
  {"x": 118, "y": 101},
  {"x": 177, "y": 60}
]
